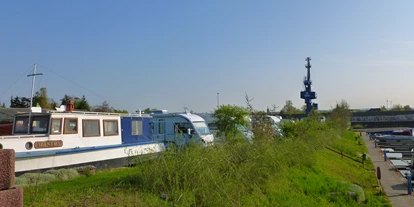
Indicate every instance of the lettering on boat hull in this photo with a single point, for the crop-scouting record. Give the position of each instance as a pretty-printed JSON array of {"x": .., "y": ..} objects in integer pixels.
[{"x": 48, "y": 144}]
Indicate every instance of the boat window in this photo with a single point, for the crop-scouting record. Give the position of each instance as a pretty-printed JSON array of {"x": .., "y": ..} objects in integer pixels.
[
  {"x": 56, "y": 127},
  {"x": 70, "y": 126},
  {"x": 110, "y": 127},
  {"x": 161, "y": 126},
  {"x": 21, "y": 124},
  {"x": 91, "y": 128},
  {"x": 40, "y": 124},
  {"x": 136, "y": 127}
]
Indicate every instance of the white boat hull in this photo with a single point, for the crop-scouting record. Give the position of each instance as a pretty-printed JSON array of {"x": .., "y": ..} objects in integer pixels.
[{"x": 34, "y": 163}]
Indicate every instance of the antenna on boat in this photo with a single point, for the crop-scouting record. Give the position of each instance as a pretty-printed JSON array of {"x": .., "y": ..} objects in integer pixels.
[{"x": 31, "y": 97}]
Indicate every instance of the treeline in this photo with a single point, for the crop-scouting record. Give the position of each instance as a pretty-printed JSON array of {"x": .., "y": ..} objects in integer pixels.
[
  {"x": 40, "y": 98},
  {"x": 397, "y": 107}
]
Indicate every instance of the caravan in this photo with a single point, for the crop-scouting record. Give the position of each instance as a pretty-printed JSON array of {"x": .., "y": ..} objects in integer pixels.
[{"x": 180, "y": 129}]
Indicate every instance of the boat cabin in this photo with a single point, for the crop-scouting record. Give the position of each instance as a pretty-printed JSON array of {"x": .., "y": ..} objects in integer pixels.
[{"x": 50, "y": 130}]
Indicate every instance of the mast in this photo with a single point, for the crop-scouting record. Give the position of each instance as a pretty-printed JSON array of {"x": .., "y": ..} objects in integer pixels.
[{"x": 31, "y": 97}]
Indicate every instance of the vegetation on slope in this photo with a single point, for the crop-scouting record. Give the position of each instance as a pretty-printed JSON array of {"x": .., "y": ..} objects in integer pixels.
[{"x": 296, "y": 170}]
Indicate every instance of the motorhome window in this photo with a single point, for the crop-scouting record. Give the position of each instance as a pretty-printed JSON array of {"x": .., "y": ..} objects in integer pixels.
[
  {"x": 201, "y": 128},
  {"x": 136, "y": 127},
  {"x": 40, "y": 124},
  {"x": 91, "y": 128},
  {"x": 183, "y": 127},
  {"x": 70, "y": 126},
  {"x": 56, "y": 127},
  {"x": 20, "y": 125},
  {"x": 161, "y": 126},
  {"x": 110, "y": 127}
]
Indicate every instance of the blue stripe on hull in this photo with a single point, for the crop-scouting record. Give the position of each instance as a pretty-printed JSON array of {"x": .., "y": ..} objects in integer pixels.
[{"x": 76, "y": 150}]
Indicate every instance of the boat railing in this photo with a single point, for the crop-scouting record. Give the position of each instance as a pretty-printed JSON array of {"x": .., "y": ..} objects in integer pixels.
[
  {"x": 22, "y": 136},
  {"x": 86, "y": 112}
]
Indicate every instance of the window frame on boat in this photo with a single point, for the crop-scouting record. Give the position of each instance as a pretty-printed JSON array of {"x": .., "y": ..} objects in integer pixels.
[
  {"x": 137, "y": 130},
  {"x": 60, "y": 125},
  {"x": 116, "y": 124},
  {"x": 91, "y": 135},
  {"x": 65, "y": 131},
  {"x": 44, "y": 119}
]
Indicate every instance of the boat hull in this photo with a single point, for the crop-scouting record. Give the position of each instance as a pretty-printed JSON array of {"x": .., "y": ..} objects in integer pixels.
[{"x": 116, "y": 155}]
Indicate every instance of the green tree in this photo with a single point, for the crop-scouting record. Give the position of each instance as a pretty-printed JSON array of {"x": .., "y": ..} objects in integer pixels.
[
  {"x": 19, "y": 102},
  {"x": 79, "y": 103},
  {"x": 3, "y": 105},
  {"x": 303, "y": 109},
  {"x": 407, "y": 108},
  {"x": 397, "y": 107},
  {"x": 43, "y": 100},
  {"x": 65, "y": 100},
  {"x": 341, "y": 116},
  {"x": 82, "y": 104},
  {"x": 104, "y": 107},
  {"x": 289, "y": 109},
  {"x": 383, "y": 109},
  {"x": 228, "y": 117},
  {"x": 121, "y": 111}
]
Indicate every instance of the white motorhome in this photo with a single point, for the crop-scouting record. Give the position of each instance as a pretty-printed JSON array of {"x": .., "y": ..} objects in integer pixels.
[{"x": 180, "y": 129}]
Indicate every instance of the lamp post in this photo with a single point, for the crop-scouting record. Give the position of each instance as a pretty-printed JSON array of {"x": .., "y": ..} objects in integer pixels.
[{"x": 218, "y": 98}]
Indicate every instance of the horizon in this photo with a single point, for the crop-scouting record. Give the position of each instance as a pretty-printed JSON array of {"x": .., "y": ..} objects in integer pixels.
[{"x": 168, "y": 55}]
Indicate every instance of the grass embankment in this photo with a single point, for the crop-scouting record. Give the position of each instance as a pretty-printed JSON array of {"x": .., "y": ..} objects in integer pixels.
[{"x": 293, "y": 171}]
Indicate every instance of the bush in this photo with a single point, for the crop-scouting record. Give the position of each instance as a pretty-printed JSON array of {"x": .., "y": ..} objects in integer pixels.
[{"x": 233, "y": 173}]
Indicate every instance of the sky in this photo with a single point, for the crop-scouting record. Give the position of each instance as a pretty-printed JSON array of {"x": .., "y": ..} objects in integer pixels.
[{"x": 170, "y": 54}]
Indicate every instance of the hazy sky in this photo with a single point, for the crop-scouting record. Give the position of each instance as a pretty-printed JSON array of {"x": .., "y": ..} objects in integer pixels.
[{"x": 170, "y": 54}]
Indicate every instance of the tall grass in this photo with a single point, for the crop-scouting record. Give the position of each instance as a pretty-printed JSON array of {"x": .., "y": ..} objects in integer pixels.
[
  {"x": 237, "y": 173},
  {"x": 293, "y": 170}
]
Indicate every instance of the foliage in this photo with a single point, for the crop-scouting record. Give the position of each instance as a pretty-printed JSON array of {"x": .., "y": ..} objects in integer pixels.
[
  {"x": 399, "y": 107},
  {"x": 147, "y": 110},
  {"x": 3, "y": 105},
  {"x": 261, "y": 128},
  {"x": 19, "y": 102},
  {"x": 30, "y": 179},
  {"x": 340, "y": 116},
  {"x": 407, "y": 108},
  {"x": 79, "y": 103},
  {"x": 294, "y": 171},
  {"x": 41, "y": 98},
  {"x": 104, "y": 107},
  {"x": 289, "y": 109},
  {"x": 120, "y": 111},
  {"x": 228, "y": 116},
  {"x": 383, "y": 109}
]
